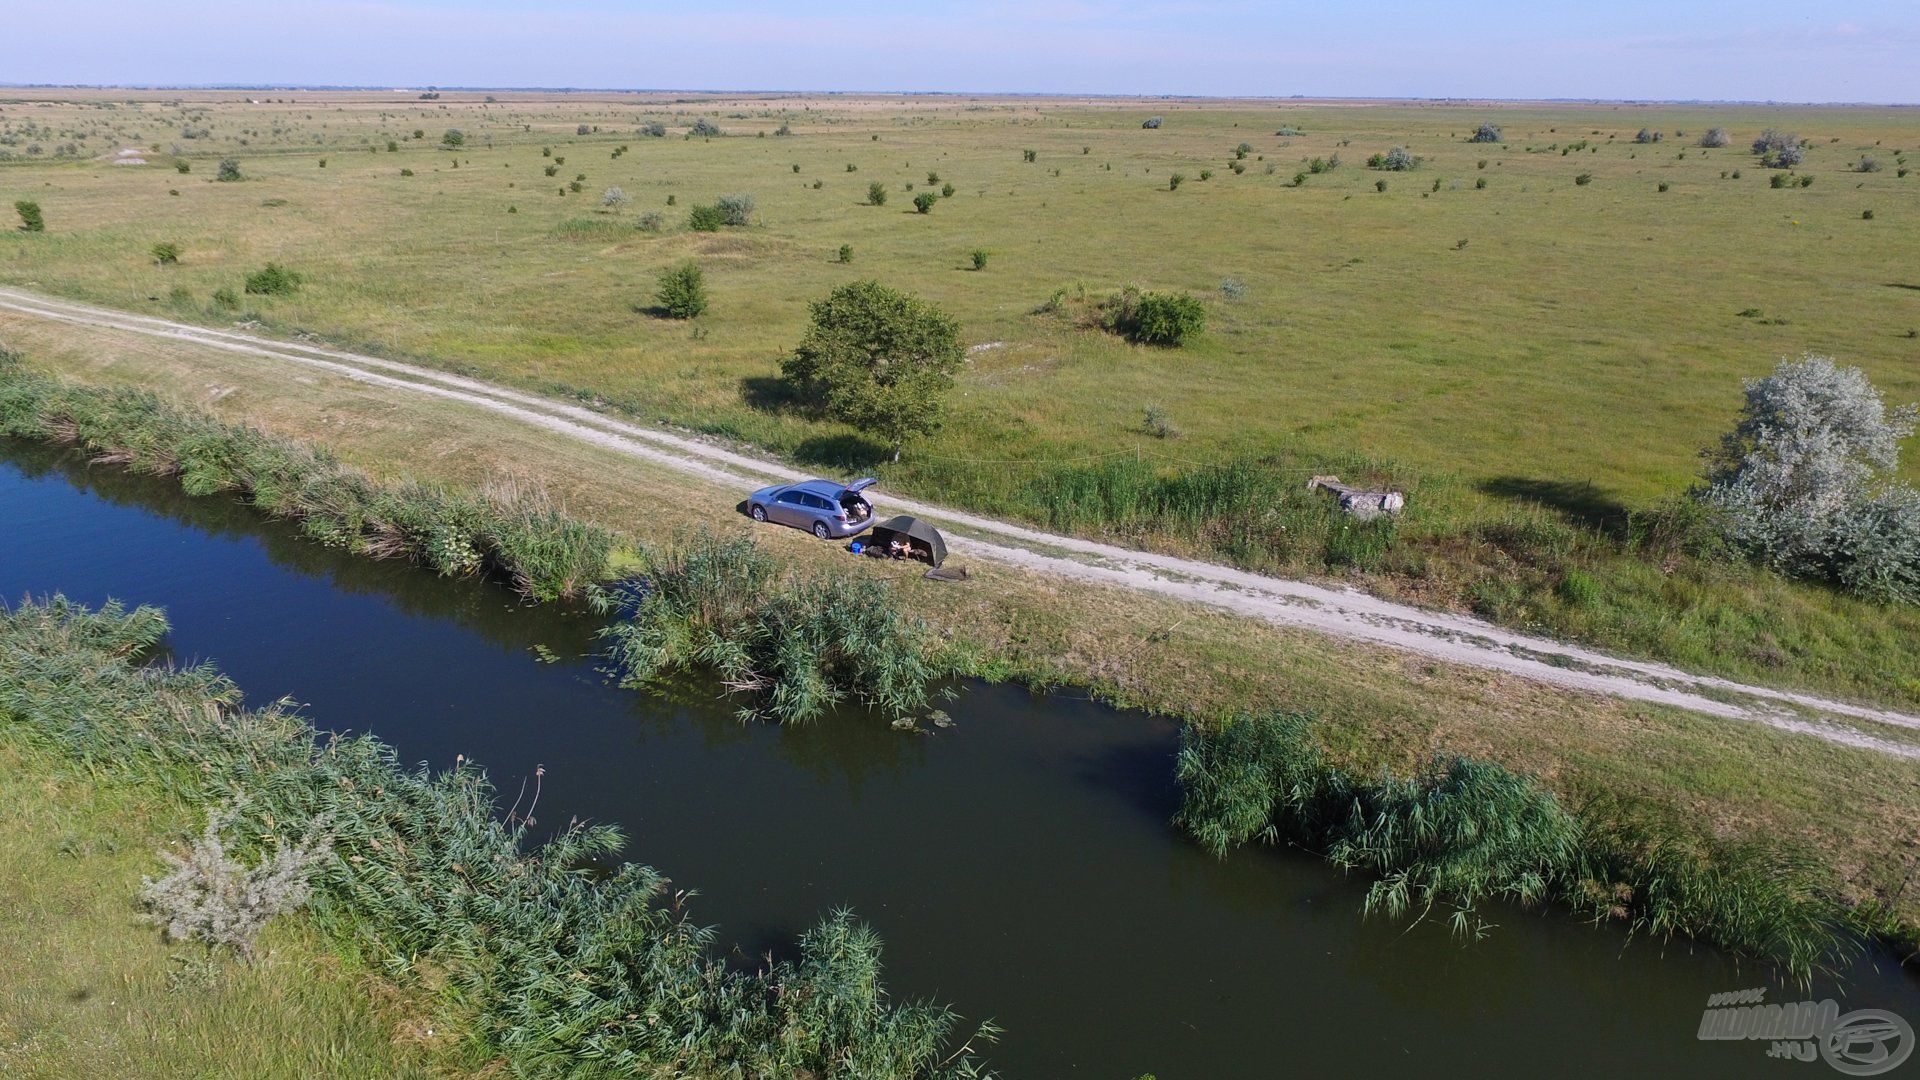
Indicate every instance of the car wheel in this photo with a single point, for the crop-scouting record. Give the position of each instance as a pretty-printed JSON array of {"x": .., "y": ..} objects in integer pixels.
[
  {"x": 758, "y": 512},
  {"x": 820, "y": 530}
]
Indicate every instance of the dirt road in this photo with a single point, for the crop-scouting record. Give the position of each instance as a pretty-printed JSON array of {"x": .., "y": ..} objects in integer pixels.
[{"x": 1345, "y": 613}]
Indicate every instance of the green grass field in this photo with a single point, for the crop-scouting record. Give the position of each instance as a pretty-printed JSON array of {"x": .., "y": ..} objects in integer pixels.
[{"x": 1532, "y": 359}]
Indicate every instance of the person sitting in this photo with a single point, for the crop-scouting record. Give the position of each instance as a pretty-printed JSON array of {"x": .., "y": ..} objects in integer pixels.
[{"x": 899, "y": 548}]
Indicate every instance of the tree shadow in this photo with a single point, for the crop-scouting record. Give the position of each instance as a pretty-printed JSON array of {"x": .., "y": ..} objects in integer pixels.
[
  {"x": 1583, "y": 503},
  {"x": 846, "y": 452},
  {"x": 1901, "y": 285},
  {"x": 768, "y": 393}
]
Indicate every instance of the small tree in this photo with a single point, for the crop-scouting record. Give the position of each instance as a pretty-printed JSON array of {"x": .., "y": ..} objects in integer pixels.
[
  {"x": 453, "y": 139},
  {"x": 31, "y": 219},
  {"x": 979, "y": 258},
  {"x": 876, "y": 194},
  {"x": 1398, "y": 160},
  {"x": 1486, "y": 133},
  {"x": 704, "y": 128},
  {"x": 1715, "y": 137},
  {"x": 1151, "y": 122},
  {"x": 653, "y": 129},
  {"x": 229, "y": 171},
  {"x": 735, "y": 209},
  {"x": 683, "y": 292},
  {"x": 212, "y": 897},
  {"x": 878, "y": 359},
  {"x": 1779, "y": 149},
  {"x": 924, "y": 201},
  {"x": 165, "y": 253},
  {"x": 706, "y": 219}
]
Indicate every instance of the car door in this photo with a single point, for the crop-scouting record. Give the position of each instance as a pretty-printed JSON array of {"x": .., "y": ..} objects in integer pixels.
[
  {"x": 819, "y": 508},
  {"x": 789, "y": 508}
]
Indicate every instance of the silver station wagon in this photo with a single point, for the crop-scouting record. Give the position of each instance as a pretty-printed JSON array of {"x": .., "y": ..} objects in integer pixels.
[{"x": 826, "y": 508}]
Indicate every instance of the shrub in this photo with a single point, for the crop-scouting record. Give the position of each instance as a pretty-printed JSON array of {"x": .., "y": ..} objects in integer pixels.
[
  {"x": 229, "y": 171},
  {"x": 1155, "y": 422},
  {"x": 876, "y": 194},
  {"x": 682, "y": 293},
  {"x": 1806, "y": 481},
  {"x": 273, "y": 280},
  {"x": 1583, "y": 179},
  {"x": 705, "y": 129},
  {"x": 212, "y": 897},
  {"x": 1379, "y": 185},
  {"x": 877, "y": 359},
  {"x": 165, "y": 253},
  {"x": 183, "y": 167},
  {"x": 1486, "y": 133},
  {"x": 1779, "y": 149},
  {"x": 1206, "y": 174},
  {"x": 652, "y": 221},
  {"x": 392, "y": 147},
  {"x": 581, "y": 130},
  {"x": 1866, "y": 215},
  {"x": 1664, "y": 185},
  {"x": 652, "y": 129},
  {"x": 1715, "y": 137},
  {"x": 1480, "y": 183},
  {"x": 735, "y": 209},
  {"x": 1156, "y": 318},
  {"x": 613, "y": 198},
  {"x": 453, "y": 138},
  {"x": 924, "y": 201},
  {"x": 1779, "y": 180},
  {"x": 946, "y": 191},
  {"x": 406, "y": 172},
  {"x": 1396, "y": 160},
  {"x": 31, "y": 219},
  {"x": 1028, "y": 155},
  {"x": 845, "y": 254},
  {"x": 1867, "y": 165},
  {"x": 1174, "y": 181},
  {"x": 551, "y": 170},
  {"x": 1151, "y": 122},
  {"x": 224, "y": 297},
  {"x": 1645, "y": 135},
  {"x": 706, "y": 219},
  {"x": 979, "y": 257},
  {"x": 1289, "y": 132}
]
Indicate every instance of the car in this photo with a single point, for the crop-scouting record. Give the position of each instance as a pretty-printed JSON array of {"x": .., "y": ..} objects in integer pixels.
[{"x": 826, "y": 508}]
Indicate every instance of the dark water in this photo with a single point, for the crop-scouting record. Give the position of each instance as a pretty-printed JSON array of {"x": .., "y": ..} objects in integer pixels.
[{"x": 1020, "y": 865}]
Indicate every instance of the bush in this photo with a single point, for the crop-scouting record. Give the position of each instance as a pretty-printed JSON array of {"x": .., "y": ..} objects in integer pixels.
[
  {"x": 1664, "y": 185},
  {"x": 1480, "y": 183},
  {"x": 273, "y": 280},
  {"x": 213, "y": 897},
  {"x": 183, "y": 167},
  {"x": 1583, "y": 179},
  {"x": 706, "y": 219},
  {"x": 845, "y": 253},
  {"x": 229, "y": 171},
  {"x": 1155, "y": 422},
  {"x": 224, "y": 297},
  {"x": 1156, "y": 318},
  {"x": 1028, "y": 156},
  {"x": 1715, "y": 137},
  {"x": 1645, "y": 135},
  {"x": 924, "y": 201},
  {"x": 1806, "y": 481},
  {"x": 406, "y": 173},
  {"x": 1379, "y": 185},
  {"x": 876, "y": 194},
  {"x": 979, "y": 257},
  {"x": 652, "y": 221},
  {"x": 877, "y": 359},
  {"x": 1486, "y": 133},
  {"x": 652, "y": 129},
  {"x": 946, "y": 191},
  {"x": 1151, "y": 122},
  {"x": 613, "y": 198},
  {"x": 453, "y": 139},
  {"x": 1779, "y": 149},
  {"x": 165, "y": 253},
  {"x": 31, "y": 220},
  {"x": 1394, "y": 160},
  {"x": 735, "y": 209},
  {"x": 683, "y": 292},
  {"x": 705, "y": 129},
  {"x": 1174, "y": 181},
  {"x": 1867, "y": 165}
]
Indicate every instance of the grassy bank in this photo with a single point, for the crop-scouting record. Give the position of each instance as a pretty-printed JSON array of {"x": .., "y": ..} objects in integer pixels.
[
  {"x": 508, "y": 530},
  {"x": 532, "y": 955},
  {"x": 88, "y": 991},
  {"x": 1537, "y": 361}
]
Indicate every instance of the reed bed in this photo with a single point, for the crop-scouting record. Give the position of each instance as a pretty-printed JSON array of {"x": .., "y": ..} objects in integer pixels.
[
  {"x": 547, "y": 960},
  {"x": 792, "y": 644},
  {"x": 1467, "y": 832},
  {"x": 510, "y": 530}
]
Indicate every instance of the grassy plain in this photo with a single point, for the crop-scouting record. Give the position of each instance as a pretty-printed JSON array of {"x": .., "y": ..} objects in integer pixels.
[
  {"x": 1536, "y": 360},
  {"x": 90, "y": 991}
]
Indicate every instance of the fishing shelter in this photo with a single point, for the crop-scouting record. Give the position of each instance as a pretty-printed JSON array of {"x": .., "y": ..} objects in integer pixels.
[{"x": 924, "y": 538}]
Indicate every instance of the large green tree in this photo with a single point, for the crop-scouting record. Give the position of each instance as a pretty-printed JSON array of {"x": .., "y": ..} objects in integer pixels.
[{"x": 878, "y": 359}]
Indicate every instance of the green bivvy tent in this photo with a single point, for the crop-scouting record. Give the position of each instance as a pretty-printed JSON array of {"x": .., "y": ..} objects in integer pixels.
[{"x": 921, "y": 535}]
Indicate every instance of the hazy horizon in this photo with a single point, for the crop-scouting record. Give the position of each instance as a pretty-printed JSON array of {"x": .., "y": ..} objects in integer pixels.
[{"x": 1854, "y": 52}]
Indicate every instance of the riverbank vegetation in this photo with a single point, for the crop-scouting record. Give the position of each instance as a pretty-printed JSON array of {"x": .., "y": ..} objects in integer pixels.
[
  {"x": 510, "y": 530},
  {"x": 536, "y": 952},
  {"x": 1461, "y": 833},
  {"x": 794, "y": 644}
]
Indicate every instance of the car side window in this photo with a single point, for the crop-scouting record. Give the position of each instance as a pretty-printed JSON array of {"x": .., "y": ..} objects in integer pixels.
[
  {"x": 818, "y": 503},
  {"x": 793, "y": 498}
]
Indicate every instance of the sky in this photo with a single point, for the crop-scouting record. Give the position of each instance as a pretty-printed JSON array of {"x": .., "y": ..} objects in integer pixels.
[{"x": 1762, "y": 50}]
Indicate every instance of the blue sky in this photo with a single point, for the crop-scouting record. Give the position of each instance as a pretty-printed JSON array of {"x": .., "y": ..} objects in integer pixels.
[{"x": 1849, "y": 50}]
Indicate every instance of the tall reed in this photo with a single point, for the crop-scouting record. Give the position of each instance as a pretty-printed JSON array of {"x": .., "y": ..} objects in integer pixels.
[
  {"x": 1464, "y": 832},
  {"x": 557, "y": 965}
]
